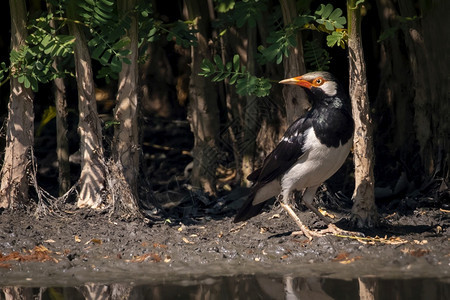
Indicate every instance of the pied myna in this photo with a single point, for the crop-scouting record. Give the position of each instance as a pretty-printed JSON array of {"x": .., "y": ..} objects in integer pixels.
[{"x": 312, "y": 149}]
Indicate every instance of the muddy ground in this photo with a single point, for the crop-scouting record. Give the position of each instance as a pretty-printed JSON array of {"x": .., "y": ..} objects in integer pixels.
[{"x": 71, "y": 246}]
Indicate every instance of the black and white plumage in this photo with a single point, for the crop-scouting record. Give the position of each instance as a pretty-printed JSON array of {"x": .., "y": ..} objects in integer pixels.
[{"x": 312, "y": 149}]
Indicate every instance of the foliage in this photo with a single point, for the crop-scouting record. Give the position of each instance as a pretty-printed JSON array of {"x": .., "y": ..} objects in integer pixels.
[
  {"x": 246, "y": 84},
  {"x": 402, "y": 22},
  {"x": 326, "y": 19},
  {"x": 248, "y": 12},
  {"x": 331, "y": 18},
  {"x": 107, "y": 41},
  {"x": 32, "y": 63},
  {"x": 4, "y": 69},
  {"x": 316, "y": 57}
]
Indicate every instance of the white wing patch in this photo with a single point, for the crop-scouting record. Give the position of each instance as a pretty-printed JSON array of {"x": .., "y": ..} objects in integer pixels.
[{"x": 316, "y": 165}]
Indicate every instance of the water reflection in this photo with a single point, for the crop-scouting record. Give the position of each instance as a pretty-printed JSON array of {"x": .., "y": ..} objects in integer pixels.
[{"x": 246, "y": 287}]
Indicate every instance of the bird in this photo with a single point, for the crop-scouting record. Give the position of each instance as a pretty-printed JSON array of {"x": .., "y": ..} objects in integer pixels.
[{"x": 311, "y": 150}]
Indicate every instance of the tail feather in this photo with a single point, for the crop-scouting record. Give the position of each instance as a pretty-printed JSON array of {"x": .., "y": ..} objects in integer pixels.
[{"x": 248, "y": 210}]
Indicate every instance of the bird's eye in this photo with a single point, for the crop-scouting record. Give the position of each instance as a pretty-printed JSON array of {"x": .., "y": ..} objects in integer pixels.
[{"x": 318, "y": 81}]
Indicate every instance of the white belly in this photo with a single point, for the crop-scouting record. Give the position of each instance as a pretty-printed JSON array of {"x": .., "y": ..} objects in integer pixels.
[{"x": 318, "y": 163}]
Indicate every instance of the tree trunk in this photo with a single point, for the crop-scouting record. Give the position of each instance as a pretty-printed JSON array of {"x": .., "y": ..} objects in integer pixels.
[
  {"x": 20, "y": 127},
  {"x": 92, "y": 178},
  {"x": 126, "y": 135},
  {"x": 62, "y": 144},
  {"x": 364, "y": 210},
  {"x": 296, "y": 100},
  {"x": 203, "y": 112},
  {"x": 251, "y": 113},
  {"x": 429, "y": 63}
]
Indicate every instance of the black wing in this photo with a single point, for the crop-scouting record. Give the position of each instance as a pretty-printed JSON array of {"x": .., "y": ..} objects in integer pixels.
[{"x": 288, "y": 150}]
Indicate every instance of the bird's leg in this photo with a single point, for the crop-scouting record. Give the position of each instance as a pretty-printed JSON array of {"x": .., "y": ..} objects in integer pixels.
[
  {"x": 284, "y": 202},
  {"x": 317, "y": 212},
  {"x": 308, "y": 197}
]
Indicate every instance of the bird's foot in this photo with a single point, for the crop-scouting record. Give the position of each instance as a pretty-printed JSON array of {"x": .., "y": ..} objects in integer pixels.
[
  {"x": 306, "y": 232},
  {"x": 331, "y": 229}
]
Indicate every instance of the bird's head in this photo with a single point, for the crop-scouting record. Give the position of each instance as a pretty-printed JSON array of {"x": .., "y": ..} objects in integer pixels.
[{"x": 320, "y": 84}]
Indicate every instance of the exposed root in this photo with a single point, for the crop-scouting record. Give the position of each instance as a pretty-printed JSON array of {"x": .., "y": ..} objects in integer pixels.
[
  {"x": 119, "y": 196},
  {"x": 47, "y": 204}
]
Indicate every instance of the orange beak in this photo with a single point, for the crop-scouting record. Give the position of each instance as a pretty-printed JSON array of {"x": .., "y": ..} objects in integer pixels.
[{"x": 297, "y": 81}]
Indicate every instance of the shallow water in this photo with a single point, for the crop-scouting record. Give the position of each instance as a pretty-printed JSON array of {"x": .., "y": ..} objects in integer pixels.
[
  {"x": 246, "y": 287},
  {"x": 360, "y": 280}
]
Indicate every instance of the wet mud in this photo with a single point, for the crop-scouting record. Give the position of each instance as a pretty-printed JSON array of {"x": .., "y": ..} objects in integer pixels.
[{"x": 73, "y": 247}]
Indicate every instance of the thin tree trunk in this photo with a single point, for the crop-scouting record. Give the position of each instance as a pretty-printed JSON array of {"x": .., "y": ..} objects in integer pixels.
[
  {"x": 126, "y": 135},
  {"x": 296, "y": 100},
  {"x": 92, "y": 178},
  {"x": 20, "y": 128},
  {"x": 251, "y": 112},
  {"x": 62, "y": 144},
  {"x": 203, "y": 112},
  {"x": 364, "y": 210}
]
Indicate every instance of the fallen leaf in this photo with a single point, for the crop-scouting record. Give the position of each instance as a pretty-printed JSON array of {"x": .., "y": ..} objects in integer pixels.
[
  {"x": 275, "y": 216},
  {"x": 153, "y": 257},
  {"x": 415, "y": 252},
  {"x": 422, "y": 242},
  {"x": 390, "y": 216},
  {"x": 348, "y": 261},
  {"x": 341, "y": 256},
  {"x": 39, "y": 253},
  {"x": 77, "y": 239},
  {"x": 94, "y": 241},
  {"x": 187, "y": 241},
  {"x": 237, "y": 228},
  {"x": 325, "y": 213},
  {"x": 49, "y": 241},
  {"x": 156, "y": 245}
]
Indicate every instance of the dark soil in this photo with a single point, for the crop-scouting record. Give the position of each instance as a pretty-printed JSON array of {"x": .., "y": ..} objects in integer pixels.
[{"x": 92, "y": 246}]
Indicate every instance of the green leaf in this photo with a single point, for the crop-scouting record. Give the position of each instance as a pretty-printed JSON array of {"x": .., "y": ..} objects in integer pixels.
[
  {"x": 39, "y": 65},
  {"x": 116, "y": 64},
  {"x": 97, "y": 52},
  {"x": 104, "y": 59},
  {"x": 122, "y": 43},
  {"x": 236, "y": 62},
  {"x": 218, "y": 62},
  {"x": 26, "y": 82},
  {"x": 336, "y": 38},
  {"x": 324, "y": 10},
  {"x": 234, "y": 78}
]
